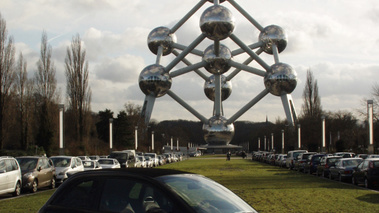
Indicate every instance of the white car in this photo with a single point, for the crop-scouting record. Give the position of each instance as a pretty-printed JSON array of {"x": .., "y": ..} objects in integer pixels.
[
  {"x": 91, "y": 165},
  {"x": 10, "y": 176},
  {"x": 109, "y": 163},
  {"x": 65, "y": 166}
]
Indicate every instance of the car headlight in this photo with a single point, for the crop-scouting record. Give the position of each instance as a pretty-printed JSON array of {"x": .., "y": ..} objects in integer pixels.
[
  {"x": 28, "y": 175},
  {"x": 63, "y": 172}
]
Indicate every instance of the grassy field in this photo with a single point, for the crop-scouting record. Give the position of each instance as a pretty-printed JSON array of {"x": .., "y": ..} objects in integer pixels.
[{"x": 266, "y": 188}]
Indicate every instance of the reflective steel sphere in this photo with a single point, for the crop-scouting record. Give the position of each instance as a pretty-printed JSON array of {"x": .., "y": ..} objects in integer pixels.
[
  {"x": 161, "y": 36},
  {"x": 273, "y": 35},
  {"x": 226, "y": 88},
  {"x": 217, "y": 22},
  {"x": 216, "y": 132},
  {"x": 282, "y": 79},
  {"x": 154, "y": 80},
  {"x": 217, "y": 64}
]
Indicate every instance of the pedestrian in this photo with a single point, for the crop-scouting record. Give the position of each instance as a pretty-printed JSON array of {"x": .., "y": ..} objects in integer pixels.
[{"x": 228, "y": 154}]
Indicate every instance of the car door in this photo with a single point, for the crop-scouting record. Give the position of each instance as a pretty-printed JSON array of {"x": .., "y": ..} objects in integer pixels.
[
  {"x": 46, "y": 172},
  {"x": 359, "y": 172},
  {"x": 4, "y": 179}
]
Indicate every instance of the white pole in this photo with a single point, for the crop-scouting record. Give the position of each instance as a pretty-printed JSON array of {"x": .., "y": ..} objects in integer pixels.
[
  {"x": 152, "y": 141},
  {"x": 61, "y": 111},
  {"x": 136, "y": 138},
  {"x": 323, "y": 133},
  {"x": 265, "y": 143},
  {"x": 172, "y": 143},
  {"x": 177, "y": 144},
  {"x": 298, "y": 136},
  {"x": 370, "y": 112},
  {"x": 282, "y": 141},
  {"x": 259, "y": 144},
  {"x": 110, "y": 133},
  {"x": 272, "y": 141}
]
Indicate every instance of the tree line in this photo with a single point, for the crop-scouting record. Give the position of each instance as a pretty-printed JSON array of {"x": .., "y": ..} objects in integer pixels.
[{"x": 29, "y": 109}]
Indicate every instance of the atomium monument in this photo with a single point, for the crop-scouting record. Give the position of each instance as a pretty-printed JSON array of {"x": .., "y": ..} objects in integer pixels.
[{"x": 217, "y": 23}]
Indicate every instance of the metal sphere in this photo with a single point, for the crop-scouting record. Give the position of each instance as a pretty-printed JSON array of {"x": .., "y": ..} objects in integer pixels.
[
  {"x": 217, "y": 64},
  {"x": 216, "y": 132},
  {"x": 282, "y": 79},
  {"x": 161, "y": 36},
  {"x": 209, "y": 88},
  {"x": 217, "y": 22},
  {"x": 154, "y": 80},
  {"x": 273, "y": 34}
]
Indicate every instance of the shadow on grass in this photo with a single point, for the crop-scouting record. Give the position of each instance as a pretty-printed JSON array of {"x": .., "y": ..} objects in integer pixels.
[{"x": 370, "y": 198}]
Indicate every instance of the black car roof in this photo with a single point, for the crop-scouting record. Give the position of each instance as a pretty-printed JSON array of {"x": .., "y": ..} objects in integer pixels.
[{"x": 146, "y": 172}]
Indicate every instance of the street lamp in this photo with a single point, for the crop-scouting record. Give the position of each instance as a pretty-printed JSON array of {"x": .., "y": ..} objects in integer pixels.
[{"x": 61, "y": 111}]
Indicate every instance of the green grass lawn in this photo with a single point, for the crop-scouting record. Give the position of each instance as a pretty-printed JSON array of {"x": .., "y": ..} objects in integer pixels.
[
  {"x": 266, "y": 188},
  {"x": 273, "y": 189}
]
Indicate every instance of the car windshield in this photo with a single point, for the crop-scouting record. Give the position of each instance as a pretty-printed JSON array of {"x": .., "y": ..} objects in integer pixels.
[
  {"x": 61, "y": 162},
  {"x": 205, "y": 195},
  {"x": 27, "y": 163},
  {"x": 122, "y": 156},
  {"x": 105, "y": 161}
]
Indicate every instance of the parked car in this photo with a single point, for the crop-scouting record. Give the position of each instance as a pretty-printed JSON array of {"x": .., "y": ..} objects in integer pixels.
[
  {"x": 143, "y": 190},
  {"x": 94, "y": 157},
  {"x": 123, "y": 157},
  {"x": 279, "y": 158},
  {"x": 325, "y": 163},
  {"x": 137, "y": 163},
  {"x": 109, "y": 163},
  {"x": 291, "y": 156},
  {"x": 91, "y": 165},
  {"x": 345, "y": 154},
  {"x": 37, "y": 172},
  {"x": 373, "y": 156},
  {"x": 311, "y": 166},
  {"x": 10, "y": 176},
  {"x": 143, "y": 161},
  {"x": 343, "y": 168},
  {"x": 149, "y": 162},
  {"x": 367, "y": 172},
  {"x": 153, "y": 158},
  {"x": 84, "y": 158},
  {"x": 66, "y": 165},
  {"x": 301, "y": 160}
]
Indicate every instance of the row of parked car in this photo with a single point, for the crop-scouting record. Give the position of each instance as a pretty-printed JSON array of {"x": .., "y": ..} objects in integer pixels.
[
  {"x": 341, "y": 166},
  {"x": 29, "y": 173}
]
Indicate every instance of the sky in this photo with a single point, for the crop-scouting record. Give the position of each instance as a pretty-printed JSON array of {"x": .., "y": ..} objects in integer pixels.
[{"x": 338, "y": 41}]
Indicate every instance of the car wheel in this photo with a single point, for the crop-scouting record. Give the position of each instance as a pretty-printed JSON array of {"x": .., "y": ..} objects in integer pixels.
[
  {"x": 34, "y": 186},
  {"x": 354, "y": 181},
  {"x": 367, "y": 183},
  {"x": 323, "y": 174},
  {"x": 52, "y": 183},
  {"x": 330, "y": 176},
  {"x": 17, "y": 189}
]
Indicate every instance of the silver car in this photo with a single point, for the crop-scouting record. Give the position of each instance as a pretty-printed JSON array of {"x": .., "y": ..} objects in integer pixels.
[{"x": 10, "y": 176}]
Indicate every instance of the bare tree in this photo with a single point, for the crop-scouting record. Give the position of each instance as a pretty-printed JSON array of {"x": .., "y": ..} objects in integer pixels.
[
  {"x": 46, "y": 84},
  {"x": 312, "y": 102},
  {"x": 7, "y": 52},
  {"x": 20, "y": 88},
  {"x": 78, "y": 90}
]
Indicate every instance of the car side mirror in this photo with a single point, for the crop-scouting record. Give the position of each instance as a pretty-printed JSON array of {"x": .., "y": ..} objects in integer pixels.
[{"x": 39, "y": 169}]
